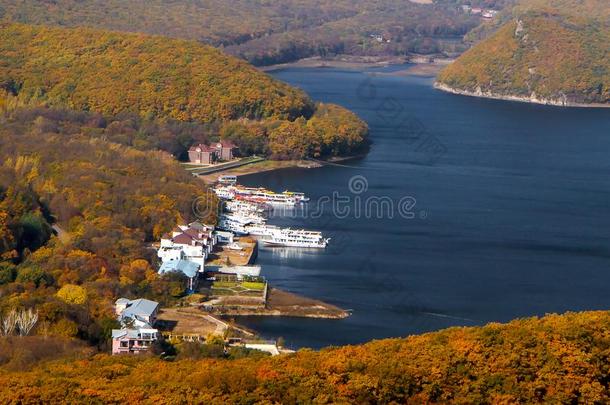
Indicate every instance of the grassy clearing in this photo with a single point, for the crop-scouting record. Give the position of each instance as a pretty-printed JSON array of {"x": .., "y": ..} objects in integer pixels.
[{"x": 251, "y": 285}]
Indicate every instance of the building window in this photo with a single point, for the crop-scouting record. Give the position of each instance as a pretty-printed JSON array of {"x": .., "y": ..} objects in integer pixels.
[{"x": 124, "y": 344}]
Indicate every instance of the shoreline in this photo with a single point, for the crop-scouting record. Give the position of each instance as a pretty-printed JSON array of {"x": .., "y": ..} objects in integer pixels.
[
  {"x": 279, "y": 303},
  {"x": 520, "y": 99},
  {"x": 354, "y": 62},
  {"x": 283, "y": 303},
  {"x": 272, "y": 165},
  {"x": 347, "y": 63}
]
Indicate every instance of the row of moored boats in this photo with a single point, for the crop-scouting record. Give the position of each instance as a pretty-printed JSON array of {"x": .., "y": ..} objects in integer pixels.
[{"x": 245, "y": 210}]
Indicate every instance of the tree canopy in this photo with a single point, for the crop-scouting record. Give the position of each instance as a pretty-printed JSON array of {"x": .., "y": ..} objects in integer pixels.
[
  {"x": 266, "y": 32},
  {"x": 554, "y": 359},
  {"x": 553, "y": 49},
  {"x": 165, "y": 84}
]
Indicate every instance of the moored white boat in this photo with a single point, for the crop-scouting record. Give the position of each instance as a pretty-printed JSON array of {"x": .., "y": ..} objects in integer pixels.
[
  {"x": 262, "y": 230},
  {"x": 228, "y": 180},
  {"x": 296, "y": 238},
  {"x": 244, "y": 219},
  {"x": 239, "y": 206},
  {"x": 225, "y": 193},
  {"x": 238, "y": 229},
  {"x": 299, "y": 197}
]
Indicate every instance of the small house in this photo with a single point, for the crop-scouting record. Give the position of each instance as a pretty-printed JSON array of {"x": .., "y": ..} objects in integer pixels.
[
  {"x": 137, "y": 333},
  {"x": 142, "y": 310},
  {"x": 227, "y": 150},
  {"x": 186, "y": 267},
  {"x": 203, "y": 154},
  {"x": 133, "y": 341}
]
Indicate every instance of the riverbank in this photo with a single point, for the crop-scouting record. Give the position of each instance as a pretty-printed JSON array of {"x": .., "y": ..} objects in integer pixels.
[
  {"x": 419, "y": 69},
  {"x": 284, "y": 303},
  {"x": 343, "y": 62},
  {"x": 259, "y": 167},
  {"x": 360, "y": 62},
  {"x": 271, "y": 165},
  {"x": 532, "y": 99}
]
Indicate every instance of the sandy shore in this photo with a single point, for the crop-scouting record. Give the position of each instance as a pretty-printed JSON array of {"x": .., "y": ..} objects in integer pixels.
[
  {"x": 420, "y": 69},
  {"x": 284, "y": 303},
  {"x": 346, "y": 62},
  {"x": 363, "y": 62}
]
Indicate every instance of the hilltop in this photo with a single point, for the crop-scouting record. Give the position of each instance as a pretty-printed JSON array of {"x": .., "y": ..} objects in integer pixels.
[
  {"x": 550, "y": 52},
  {"x": 160, "y": 79},
  {"x": 554, "y": 359},
  {"x": 269, "y": 32},
  {"x": 112, "y": 72}
]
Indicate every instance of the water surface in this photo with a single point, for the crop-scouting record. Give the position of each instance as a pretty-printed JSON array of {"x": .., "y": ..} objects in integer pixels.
[{"x": 512, "y": 213}]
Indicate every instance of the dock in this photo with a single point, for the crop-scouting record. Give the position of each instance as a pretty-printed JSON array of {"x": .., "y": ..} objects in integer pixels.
[{"x": 223, "y": 256}]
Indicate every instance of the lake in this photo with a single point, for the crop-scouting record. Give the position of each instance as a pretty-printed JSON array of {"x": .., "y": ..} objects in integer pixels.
[{"x": 465, "y": 211}]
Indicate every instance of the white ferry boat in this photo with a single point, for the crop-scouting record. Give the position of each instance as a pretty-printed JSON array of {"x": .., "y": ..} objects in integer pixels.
[
  {"x": 226, "y": 193},
  {"x": 264, "y": 196},
  {"x": 243, "y": 219},
  {"x": 262, "y": 230},
  {"x": 232, "y": 226},
  {"x": 228, "y": 180},
  {"x": 296, "y": 238},
  {"x": 299, "y": 197},
  {"x": 239, "y": 206},
  {"x": 259, "y": 195}
]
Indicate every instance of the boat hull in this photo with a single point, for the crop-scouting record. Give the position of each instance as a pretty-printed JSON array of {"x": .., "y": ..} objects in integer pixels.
[{"x": 298, "y": 245}]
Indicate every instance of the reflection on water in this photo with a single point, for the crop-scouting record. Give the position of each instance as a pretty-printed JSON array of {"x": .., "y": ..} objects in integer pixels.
[{"x": 290, "y": 253}]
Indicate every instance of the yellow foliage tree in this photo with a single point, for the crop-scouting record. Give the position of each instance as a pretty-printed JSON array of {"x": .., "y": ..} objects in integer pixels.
[{"x": 72, "y": 294}]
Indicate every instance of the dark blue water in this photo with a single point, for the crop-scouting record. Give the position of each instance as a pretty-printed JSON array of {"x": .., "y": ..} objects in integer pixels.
[{"x": 511, "y": 214}]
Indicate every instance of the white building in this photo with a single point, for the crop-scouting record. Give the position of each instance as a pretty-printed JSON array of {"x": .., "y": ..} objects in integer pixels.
[
  {"x": 137, "y": 333},
  {"x": 192, "y": 242}
]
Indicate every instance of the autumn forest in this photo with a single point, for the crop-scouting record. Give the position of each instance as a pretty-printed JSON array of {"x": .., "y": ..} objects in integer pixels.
[{"x": 97, "y": 113}]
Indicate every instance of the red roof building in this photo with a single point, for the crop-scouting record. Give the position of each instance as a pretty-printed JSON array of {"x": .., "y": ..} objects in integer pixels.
[
  {"x": 207, "y": 155},
  {"x": 226, "y": 149},
  {"x": 203, "y": 154}
]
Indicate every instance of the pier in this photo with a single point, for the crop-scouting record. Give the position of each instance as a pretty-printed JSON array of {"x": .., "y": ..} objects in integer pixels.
[{"x": 222, "y": 255}]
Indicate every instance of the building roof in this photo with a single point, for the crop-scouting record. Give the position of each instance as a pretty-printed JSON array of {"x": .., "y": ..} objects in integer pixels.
[
  {"x": 183, "y": 239},
  {"x": 227, "y": 144},
  {"x": 131, "y": 333},
  {"x": 187, "y": 267},
  {"x": 140, "y": 307},
  {"x": 199, "y": 226},
  {"x": 201, "y": 148},
  {"x": 119, "y": 333},
  {"x": 194, "y": 233}
]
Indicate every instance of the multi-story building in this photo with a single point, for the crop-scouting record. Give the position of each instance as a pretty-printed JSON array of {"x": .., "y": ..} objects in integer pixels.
[{"x": 137, "y": 333}]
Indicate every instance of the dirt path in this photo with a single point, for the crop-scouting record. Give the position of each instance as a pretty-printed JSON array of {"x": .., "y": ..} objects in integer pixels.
[{"x": 189, "y": 321}]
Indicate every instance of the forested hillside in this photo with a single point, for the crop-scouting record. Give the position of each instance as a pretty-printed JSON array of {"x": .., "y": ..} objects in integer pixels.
[
  {"x": 555, "y": 359},
  {"x": 267, "y": 32},
  {"x": 551, "y": 51},
  {"x": 159, "y": 79},
  {"x": 108, "y": 203},
  {"x": 110, "y": 73}
]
